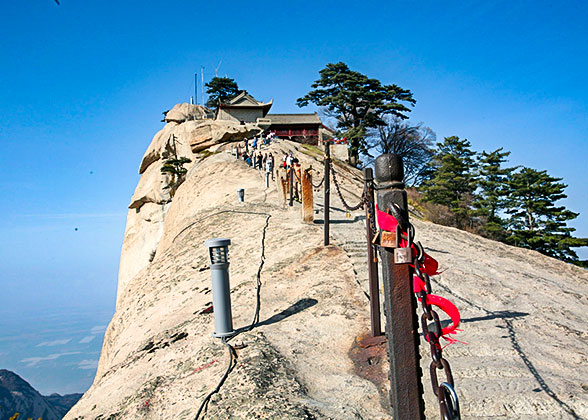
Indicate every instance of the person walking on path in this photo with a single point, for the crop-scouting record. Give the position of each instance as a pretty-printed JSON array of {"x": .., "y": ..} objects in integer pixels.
[
  {"x": 259, "y": 160},
  {"x": 270, "y": 165}
]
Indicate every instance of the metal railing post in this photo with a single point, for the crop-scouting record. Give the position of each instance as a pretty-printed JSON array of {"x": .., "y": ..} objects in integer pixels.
[
  {"x": 406, "y": 388},
  {"x": 372, "y": 259},
  {"x": 327, "y": 191}
]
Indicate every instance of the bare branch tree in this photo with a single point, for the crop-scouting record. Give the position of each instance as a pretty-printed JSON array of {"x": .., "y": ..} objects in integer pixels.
[{"x": 413, "y": 143}]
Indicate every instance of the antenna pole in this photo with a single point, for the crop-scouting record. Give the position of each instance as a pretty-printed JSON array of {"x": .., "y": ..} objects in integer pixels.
[
  {"x": 202, "y": 84},
  {"x": 196, "y": 87}
]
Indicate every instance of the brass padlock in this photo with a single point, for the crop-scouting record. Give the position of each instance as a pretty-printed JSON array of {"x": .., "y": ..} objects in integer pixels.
[
  {"x": 402, "y": 255},
  {"x": 388, "y": 239}
]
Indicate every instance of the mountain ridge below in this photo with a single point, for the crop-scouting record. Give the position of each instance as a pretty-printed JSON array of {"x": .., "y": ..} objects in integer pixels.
[{"x": 18, "y": 396}]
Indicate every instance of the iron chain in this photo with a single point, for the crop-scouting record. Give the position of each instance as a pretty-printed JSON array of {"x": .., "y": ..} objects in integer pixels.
[
  {"x": 444, "y": 391},
  {"x": 371, "y": 208},
  {"x": 338, "y": 189},
  {"x": 320, "y": 183}
]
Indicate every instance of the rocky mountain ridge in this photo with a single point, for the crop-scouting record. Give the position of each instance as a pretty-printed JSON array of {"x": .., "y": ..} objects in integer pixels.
[
  {"x": 18, "y": 396},
  {"x": 523, "y": 313}
]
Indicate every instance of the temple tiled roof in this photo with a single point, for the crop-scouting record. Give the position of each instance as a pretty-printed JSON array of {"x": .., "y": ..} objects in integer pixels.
[{"x": 294, "y": 119}]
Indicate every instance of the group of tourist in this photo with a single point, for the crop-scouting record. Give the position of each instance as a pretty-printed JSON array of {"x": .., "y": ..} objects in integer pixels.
[
  {"x": 291, "y": 164},
  {"x": 250, "y": 152}
]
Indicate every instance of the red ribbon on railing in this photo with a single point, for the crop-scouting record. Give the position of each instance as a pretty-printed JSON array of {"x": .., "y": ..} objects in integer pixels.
[
  {"x": 429, "y": 266},
  {"x": 445, "y": 305},
  {"x": 388, "y": 223}
]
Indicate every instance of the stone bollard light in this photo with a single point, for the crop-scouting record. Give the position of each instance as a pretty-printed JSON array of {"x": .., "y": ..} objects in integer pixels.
[{"x": 218, "y": 251}]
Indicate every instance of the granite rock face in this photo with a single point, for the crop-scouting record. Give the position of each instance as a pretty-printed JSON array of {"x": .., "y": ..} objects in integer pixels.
[
  {"x": 186, "y": 112},
  {"x": 189, "y": 131}
]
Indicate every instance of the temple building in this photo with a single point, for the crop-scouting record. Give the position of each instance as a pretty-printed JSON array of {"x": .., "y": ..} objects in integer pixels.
[
  {"x": 243, "y": 108},
  {"x": 303, "y": 128}
]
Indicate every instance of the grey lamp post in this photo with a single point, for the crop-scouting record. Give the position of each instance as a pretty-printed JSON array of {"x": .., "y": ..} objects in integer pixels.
[{"x": 218, "y": 251}]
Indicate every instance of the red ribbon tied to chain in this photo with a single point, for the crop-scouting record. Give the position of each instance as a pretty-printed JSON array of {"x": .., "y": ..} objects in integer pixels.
[
  {"x": 429, "y": 266},
  {"x": 388, "y": 223},
  {"x": 445, "y": 305}
]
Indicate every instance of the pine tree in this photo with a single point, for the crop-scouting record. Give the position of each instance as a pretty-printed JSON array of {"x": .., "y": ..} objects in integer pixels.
[
  {"x": 492, "y": 192},
  {"x": 174, "y": 166},
  {"x": 451, "y": 178},
  {"x": 357, "y": 102},
  {"x": 535, "y": 221},
  {"x": 220, "y": 89}
]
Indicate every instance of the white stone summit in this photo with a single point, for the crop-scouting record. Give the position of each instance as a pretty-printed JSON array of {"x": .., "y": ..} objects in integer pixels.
[{"x": 523, "y": 313}]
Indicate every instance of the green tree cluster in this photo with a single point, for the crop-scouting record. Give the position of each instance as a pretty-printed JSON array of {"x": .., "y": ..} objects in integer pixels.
[
  {"x": 515, "y": 205},
  {"x": 451, "y": 178},
  {"x": 535, "y": 221}
]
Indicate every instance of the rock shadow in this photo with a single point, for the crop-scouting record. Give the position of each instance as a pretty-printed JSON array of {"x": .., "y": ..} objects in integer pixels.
[
  {"x": 508, "y": 317},
  {"x": 337, "y": 222},
  {"x": 496, "y": 315},
  {"x": 293, "y": 309}
]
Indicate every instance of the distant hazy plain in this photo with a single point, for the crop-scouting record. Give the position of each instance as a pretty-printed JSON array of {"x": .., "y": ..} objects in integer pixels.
[{"x": 54, "y": 349}]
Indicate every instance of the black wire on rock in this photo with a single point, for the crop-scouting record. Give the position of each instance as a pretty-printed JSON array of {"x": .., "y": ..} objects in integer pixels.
[
  {"x": 258, "y": 290},
  {"x": 232, "y": 364}
]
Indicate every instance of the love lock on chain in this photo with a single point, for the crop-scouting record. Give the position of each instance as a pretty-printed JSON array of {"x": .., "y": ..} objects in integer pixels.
[{"x": 403, "y": 255}]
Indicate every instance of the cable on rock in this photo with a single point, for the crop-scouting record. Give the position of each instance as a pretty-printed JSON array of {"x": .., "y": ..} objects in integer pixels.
[
  {"x": 232, "y": 364},
  {"x": 225, "y": 340}
]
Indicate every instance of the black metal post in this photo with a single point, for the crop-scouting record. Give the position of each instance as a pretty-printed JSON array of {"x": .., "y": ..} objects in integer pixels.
[
  {"x": 372, "y": 259},
  {"x": 406, "y": 389},
  {"x": 291, "y": 181},
  {"x": 327, "y": 190}
]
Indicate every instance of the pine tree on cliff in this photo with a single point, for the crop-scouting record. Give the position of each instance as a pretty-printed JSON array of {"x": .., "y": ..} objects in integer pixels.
[
  {"x": 357, "y": 102},
  {"x": 492, "y": 192},
  {"x": 451, "y": 179},
  {"x": 174, "y": 166},
  {"x": 220, "y": 89},
  {"x": 536, "y": 222}
]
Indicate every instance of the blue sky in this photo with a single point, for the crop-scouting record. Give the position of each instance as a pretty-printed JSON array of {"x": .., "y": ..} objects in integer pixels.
[{"x": 83, "y": 86}]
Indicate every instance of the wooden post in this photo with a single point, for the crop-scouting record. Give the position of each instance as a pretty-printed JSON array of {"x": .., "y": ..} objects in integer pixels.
[
  {"x": 370, "y": 211},
  {"x": 307, "y": 196},
  {"x": 327, "y": 191},
  {"x": 281, "y": 175},
  {"x": 406, "y": 388}
]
